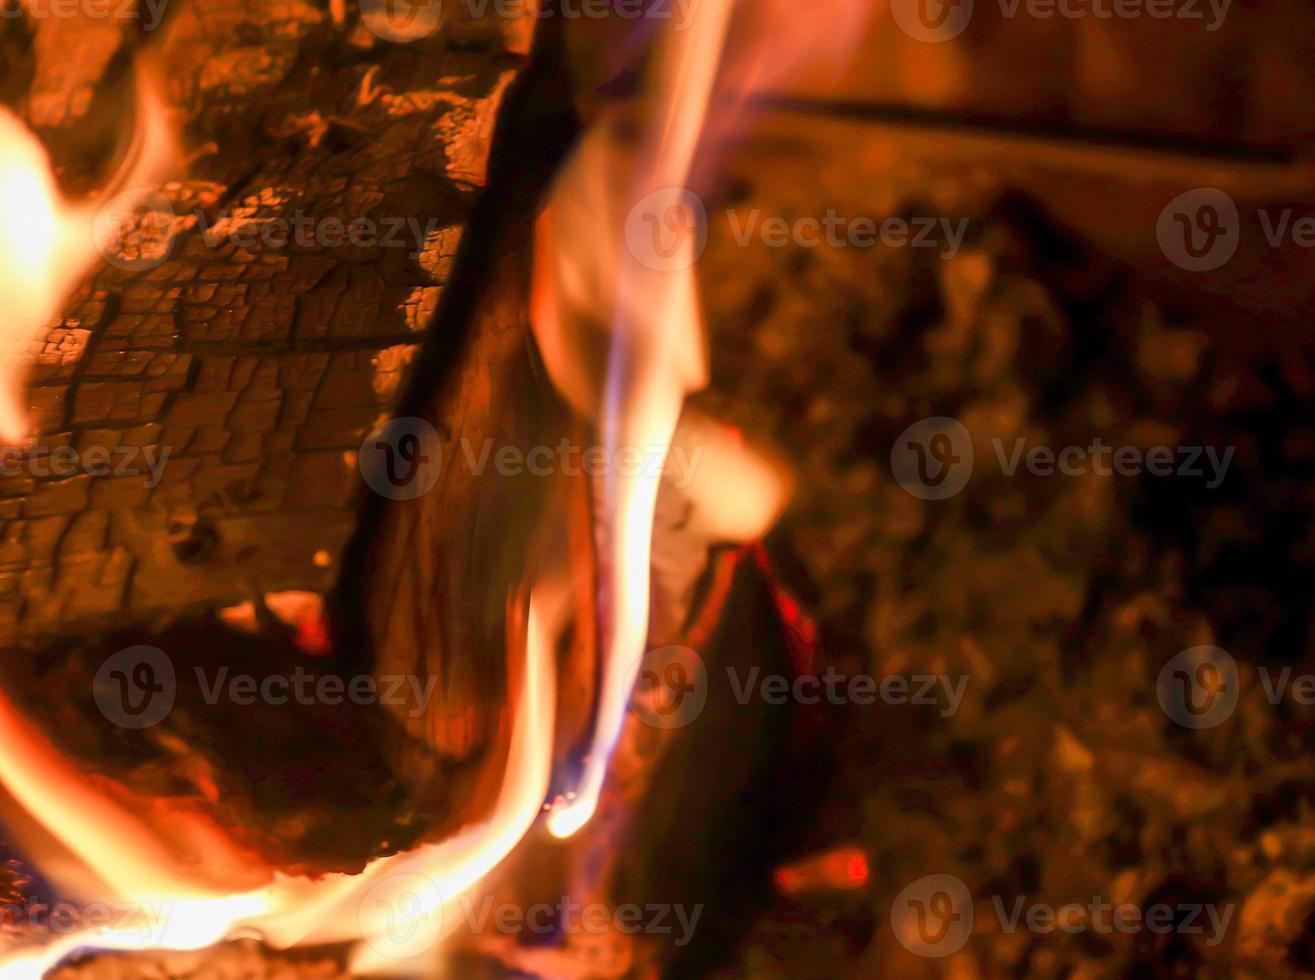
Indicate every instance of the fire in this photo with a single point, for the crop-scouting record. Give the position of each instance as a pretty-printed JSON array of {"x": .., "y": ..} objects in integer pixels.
[
  {"x": 615, "y": 253},
  {"x": 655, "y": 350},
  {"x": 285, "y": 910},
  {"x": 616, "y": 313},
  {"x": 193, "y": 887},
  {"x": 48, "y": 243}
]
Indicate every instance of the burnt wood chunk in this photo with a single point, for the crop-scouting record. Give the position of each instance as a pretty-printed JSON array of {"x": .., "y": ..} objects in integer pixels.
[{"x": 331, "y": 175}]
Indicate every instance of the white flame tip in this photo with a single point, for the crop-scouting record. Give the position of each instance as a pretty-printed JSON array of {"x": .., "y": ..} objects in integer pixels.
[{"x": 567, "y": 817}]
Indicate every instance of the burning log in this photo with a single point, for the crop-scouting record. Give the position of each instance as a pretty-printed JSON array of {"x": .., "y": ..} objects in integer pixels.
[
  {"x": 493, "y": 588},
  {"x": 246, "y": 366},
  {"x": 440, "y": 610},
  {"x": 269, "y": 341},
  {"x": 253, "y": 367}
]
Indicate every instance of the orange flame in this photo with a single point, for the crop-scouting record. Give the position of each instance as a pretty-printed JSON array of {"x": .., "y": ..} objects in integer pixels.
[
  {"x": 655, "y": 346},
  {"x": 286, "y": 910},
  {"x": 608, "y": 278},
  {"x": 47, "y": 243},
  {"x": 616, "y": 313}
]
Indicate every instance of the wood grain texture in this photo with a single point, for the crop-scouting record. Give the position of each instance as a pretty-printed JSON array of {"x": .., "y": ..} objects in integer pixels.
[{"x": 255, "y": 363}]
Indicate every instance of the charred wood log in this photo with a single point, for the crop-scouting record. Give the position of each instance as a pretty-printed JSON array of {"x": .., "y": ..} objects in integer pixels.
[
  {"x": 251, "y": 367},
  {"x": 250, "y": 363}
]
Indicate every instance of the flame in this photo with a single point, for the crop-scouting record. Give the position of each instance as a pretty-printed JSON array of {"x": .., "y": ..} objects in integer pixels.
[
  {"x": 655, "y": 352},
  {"x": 288, "y": 910},
  {"x": 193, "y": 886},
  {"x": 621, "y": 332},
  {"x": 116, "y": 845},
  {"x": 47, "y": 243},
  {"x": 601, "y": 285},
  {"x": 620, "y": 328}
]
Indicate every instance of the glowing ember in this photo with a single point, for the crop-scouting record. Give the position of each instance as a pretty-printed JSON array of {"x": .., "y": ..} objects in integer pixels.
[
  {"x": 841, "y": 869},
  {"x": 304, "y": 611}
]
